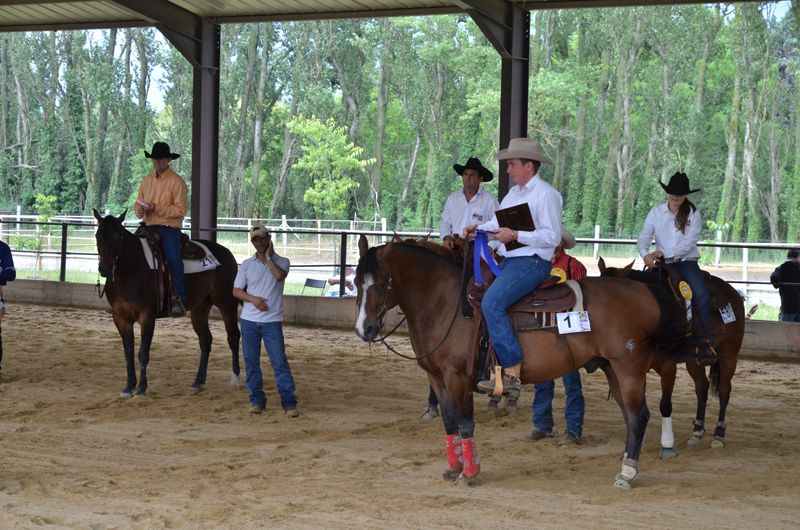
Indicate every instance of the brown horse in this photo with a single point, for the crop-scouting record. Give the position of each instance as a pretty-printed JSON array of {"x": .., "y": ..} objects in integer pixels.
[
  {"x": 727, "y": 340},
  {"x": 131, "y": 289},
  {"x": 627, "y": 329}
]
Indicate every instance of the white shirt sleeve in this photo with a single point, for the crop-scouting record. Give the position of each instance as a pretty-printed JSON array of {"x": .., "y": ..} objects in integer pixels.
[
  {"x": 646, "y": 235},
  {"x": 548, "y": 228}
]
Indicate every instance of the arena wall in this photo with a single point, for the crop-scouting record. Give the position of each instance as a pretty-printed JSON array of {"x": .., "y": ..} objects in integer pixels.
[{"x": 772, "y": 341}]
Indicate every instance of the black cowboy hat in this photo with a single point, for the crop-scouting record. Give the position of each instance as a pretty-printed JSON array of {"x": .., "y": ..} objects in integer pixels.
[
  {"x": 161, "y": 150},
  {"x": 678, "y": 185},
  {"x": 474, "y": 163}
]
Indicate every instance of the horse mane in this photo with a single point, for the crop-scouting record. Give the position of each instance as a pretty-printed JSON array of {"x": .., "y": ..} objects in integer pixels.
[{"x": 368, "y": 264}]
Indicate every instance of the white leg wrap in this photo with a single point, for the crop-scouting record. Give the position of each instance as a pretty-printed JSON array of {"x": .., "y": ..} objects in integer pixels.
[
  {"x": 667, "y": 438},
  {"x": 628, "y": 472}
]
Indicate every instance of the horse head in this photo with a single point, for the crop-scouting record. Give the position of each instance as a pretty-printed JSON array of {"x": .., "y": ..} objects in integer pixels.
[
  {"x": 109, "y": 238},
  {"x": 614, "y": 272},
  {"x": 374, "y": 283}
]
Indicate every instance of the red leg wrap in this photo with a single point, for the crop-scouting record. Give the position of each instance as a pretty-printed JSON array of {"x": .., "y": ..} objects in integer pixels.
[
  {"x": 472, "y": 466},
  {"x": 452, "y": 443}
]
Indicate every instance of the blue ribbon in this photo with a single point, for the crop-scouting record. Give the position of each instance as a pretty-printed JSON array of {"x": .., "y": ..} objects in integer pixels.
[{"x": 482, "y": 249}]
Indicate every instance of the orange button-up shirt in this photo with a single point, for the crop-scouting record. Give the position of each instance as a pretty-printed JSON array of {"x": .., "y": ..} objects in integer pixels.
[{"x": 170, "y": 195}]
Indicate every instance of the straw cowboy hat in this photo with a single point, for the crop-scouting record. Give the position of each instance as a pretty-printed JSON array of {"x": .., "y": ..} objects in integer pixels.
[
  {"x": 678, "y": 185},
  {"x": 474, "y": 163},
  {"x": 161, "y": 150},
  {"x": 567, "y": 238},
  {"x": 523, "y": 148}
]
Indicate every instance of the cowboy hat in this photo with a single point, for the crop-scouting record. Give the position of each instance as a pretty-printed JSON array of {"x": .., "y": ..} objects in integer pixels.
[
  {"x": 523, "y": 148},
  {"x": 474, "y": 163},
  {"x": 678, "y": 185},
  {"x": 161, "y": 150},
  {"x": 567, "y": 238}
]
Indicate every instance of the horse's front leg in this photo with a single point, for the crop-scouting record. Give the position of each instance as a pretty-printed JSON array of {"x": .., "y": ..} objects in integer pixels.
[
  {"x": 200, "y": 325},
  {"x": 458, "y": 414},
  {"x": 148, "y": 326},
  {"x": 668, "y": 370},
  {"x": 126, "y": 333},
  {"x": 701, "y": 385},
  {"x": 632, "y": 389}
]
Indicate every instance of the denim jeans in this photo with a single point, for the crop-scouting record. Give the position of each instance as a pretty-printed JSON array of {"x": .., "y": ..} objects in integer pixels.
[
  {"x": 272, "y": 335},
  {"x": 520, "y": 276},
  {"x": 543, "y": 404},
  {"x": 171, "y": 244},
  {"x": 790, "y": 317},
  {"x": 701, "y": 300}
]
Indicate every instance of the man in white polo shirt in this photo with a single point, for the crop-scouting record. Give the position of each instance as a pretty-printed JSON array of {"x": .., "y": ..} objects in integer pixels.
[{"x": 259, "y": 284}]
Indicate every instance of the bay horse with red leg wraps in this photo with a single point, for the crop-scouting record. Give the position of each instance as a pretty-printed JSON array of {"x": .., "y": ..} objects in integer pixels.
[
  {"x": 132, "y": 290},
  {"x": 627, "y": 329},
  {"x": 726, "y": 336}
]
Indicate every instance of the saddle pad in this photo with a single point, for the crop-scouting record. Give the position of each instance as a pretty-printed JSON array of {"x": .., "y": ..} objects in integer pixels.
[{"x": 190, "y": 266}]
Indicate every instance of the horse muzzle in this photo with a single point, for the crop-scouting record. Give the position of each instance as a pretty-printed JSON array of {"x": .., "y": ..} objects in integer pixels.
[{"x": 105, "y": 270}]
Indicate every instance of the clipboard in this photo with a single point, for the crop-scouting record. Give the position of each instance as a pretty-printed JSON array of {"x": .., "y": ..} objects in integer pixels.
[{"x": 516, "y": 217}]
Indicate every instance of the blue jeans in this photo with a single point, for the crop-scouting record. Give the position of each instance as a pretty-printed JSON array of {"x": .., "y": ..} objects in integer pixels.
[
  {"x": 272, "y": 335},
  {"x": 171, "y": 244},
  {"x": 701, "y": 300},
  {"x": 520, "y": 276},
  {"x": 790, "y": 317},
  {"x": 543, "y": 404}
]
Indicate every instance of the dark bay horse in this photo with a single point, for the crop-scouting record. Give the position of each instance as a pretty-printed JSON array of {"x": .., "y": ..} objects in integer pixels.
[
  {"x": 727, "y": 340},
  {"x": 132, "y": 292},
  {"x": 626, "y": 321}
]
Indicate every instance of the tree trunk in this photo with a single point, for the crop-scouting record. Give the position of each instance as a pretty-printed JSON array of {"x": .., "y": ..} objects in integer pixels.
[
  {"x": 561, "y": 153},
  {"x": 724, "y": 211},
  {"x": 286, "y": 163},
  {"x": 116, "y": 187},
  {"x": 381, "y": 103},
  {"x": 144, "y": 75},
  {"x": 248, "y": 200}
]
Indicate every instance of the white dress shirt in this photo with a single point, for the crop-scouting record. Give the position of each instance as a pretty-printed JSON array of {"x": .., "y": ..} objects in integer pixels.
[
  {"x": 545, "y": 204},
  {"x": 669, "y": 240},
  {"x": 458, "y": 213}
]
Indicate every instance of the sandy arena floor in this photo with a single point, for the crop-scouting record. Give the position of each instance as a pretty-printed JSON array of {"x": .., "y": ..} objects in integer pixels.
[{"x": 73, "y": 454}]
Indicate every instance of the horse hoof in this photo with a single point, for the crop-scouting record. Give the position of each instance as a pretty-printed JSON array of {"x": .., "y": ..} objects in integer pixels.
[
  {"x": 126, "y": 394},
  {"x": 667, "y": 453},
  {"x": 717, "y": 443},
  {"x": 622, "y": 483},
  {"x": 469, "y": 481},
  {"x": 139, "y": 394},
  {"x": 451, "y": 475},
  {"x": 198, "y": 388},
  {"x": 234, "y": 381},
  {"x": 693, "y": 441}
]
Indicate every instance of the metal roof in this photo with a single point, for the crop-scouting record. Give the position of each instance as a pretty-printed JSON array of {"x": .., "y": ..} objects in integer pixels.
[{"x": 43, "y": 15}]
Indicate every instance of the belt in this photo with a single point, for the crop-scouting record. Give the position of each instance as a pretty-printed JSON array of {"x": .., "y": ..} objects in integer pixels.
[{"x": 670, "y": 261}]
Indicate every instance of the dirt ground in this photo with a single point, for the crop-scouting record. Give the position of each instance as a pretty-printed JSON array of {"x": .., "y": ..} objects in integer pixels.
[{"x": 74, "y": 454}]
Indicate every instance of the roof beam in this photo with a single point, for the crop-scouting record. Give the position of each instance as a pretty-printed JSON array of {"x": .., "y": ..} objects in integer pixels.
[
  {"x": 538, "y": 5},
  {"x": 181, "y": 27}
]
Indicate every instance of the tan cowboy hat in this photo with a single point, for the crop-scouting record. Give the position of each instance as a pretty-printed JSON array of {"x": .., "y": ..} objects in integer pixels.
[
  {"x": 523, "y": 148},
  {"x": 567, "y": 238},
  {"x": 258, "y": 231}
]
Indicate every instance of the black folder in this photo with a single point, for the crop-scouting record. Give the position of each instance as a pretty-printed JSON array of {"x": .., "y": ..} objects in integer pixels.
[{"x": 516, "y": 218}]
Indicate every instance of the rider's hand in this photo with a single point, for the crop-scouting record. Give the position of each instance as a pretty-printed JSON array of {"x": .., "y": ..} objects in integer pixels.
[
  {"x": 650, "y": 260},
  {"x": 505, "y": 235},
  {"x": 261, "y": 305},
  {"x": 469, "y": 232},
  {"x": 447, "y": 242},
  {"x": 270, "y": 250}
]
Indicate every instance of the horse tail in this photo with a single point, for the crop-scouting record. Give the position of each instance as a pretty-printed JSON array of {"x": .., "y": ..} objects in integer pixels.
[
  {"x": 713, "y": 376},
  {"x": 670, "y": 337}
]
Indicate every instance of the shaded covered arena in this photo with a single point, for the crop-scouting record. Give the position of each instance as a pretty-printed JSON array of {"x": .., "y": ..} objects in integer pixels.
[{"x": 74, "y": 455}]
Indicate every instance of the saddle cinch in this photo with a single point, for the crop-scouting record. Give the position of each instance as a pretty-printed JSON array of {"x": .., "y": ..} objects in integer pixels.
[{"x": 196, "y": 258}]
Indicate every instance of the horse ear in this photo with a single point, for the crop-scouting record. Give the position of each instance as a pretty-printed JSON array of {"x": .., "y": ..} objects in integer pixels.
[
  {"x": 363, "y": 246},
  {"x": 628, "y": 268},
  {"x": 601, "y": 264},
  {"x": 395, "y": 238},
  {"x": 426, "y": 237},
  {"x": 122, "y": 217},
  {"x": 97, "y": 214}
]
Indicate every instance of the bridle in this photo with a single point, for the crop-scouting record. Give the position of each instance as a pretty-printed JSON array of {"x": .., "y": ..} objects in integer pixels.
[
  {"x": 112, "y": 274},
  {"x": 382, "y": 339}
]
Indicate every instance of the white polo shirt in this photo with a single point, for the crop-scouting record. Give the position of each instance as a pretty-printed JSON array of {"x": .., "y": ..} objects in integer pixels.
[
  {"x": 256, "y": 278},
  {"x": 545, "y": 204},
  {"x": 669, "y": 240},
  {"x": 458, "y": 213}
]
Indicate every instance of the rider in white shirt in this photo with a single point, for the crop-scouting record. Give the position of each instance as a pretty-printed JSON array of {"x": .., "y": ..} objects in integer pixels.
[{"x": 676, "y": 226}]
